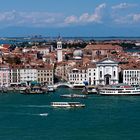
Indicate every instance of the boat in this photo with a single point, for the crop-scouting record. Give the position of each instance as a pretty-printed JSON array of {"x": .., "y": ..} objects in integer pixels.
[
  {"x": 50, "y": 88},
  {"x": 33, "y": 90},
  {"x": 120, "y": 90},
  {"x": 73, "y": 96},
  {"x": 67, "y": 104},
  {"x": 78, "y": 85},
  {"x": 91, "y": 90}
]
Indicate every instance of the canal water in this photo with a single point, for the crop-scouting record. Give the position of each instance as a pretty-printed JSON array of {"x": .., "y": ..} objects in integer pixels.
[{"x": 30, "y": 117}]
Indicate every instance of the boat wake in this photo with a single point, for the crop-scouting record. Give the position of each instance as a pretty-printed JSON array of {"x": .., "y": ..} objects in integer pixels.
[
  {"x": 43, "y": 114},
  {"x": 28, "y": 114},
  {"x": 37, "y": 106},
  {"x": 27, "y": 106}
]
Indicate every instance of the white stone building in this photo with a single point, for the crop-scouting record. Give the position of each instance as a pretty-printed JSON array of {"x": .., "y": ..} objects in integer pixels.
[
  {"x": 4, "y": 76},
  {"x": 77, "y": 75},
  {"x": 107, "y": 72},
  {"x": 91, "y": 74},
  {"x": 131, "y": 76},
  {"x": 28, "y": 75}
]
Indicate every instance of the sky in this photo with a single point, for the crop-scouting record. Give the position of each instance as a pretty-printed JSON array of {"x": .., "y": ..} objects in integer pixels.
[{"x": 70, "y": 18}]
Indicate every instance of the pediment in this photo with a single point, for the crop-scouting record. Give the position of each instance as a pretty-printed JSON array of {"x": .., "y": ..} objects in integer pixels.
[{"x": 107, "y": 61}]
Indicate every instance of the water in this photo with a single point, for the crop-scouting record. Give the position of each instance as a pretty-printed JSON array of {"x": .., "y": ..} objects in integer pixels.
[{"x": 30, "y": 117}]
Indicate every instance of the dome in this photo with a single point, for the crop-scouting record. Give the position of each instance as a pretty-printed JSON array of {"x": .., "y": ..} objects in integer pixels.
[{"x": 78, "y": 53}]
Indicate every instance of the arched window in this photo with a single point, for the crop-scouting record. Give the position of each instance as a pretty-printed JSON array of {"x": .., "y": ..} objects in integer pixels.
[
  {"x": 114, "y": 73},
  {"x": 100, "y": 73}
]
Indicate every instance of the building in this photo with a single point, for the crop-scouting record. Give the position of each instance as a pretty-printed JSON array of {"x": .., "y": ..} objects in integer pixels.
[
  {"x": 131, "y": 76},
  {"x": 28, "y": 74},
  {"x": 59, "y": 52},
  {"x": 91, "y": 74},
  {"x": 4, "y": 76},
  {"x": 77, "y": 75},
  {"x": 107, "y": 72},
  {"x": 98, "y": 50},
  {"x": 45, "y": 75},
  {"x": 14, "y": 76}
]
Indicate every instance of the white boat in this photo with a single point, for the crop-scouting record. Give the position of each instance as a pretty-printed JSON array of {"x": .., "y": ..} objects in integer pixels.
[
  {"x": 73, "y": 96},
  {"x": 91, "y": 90},
  {"x": 78, "y": 85},
  {"x": 67, "y": 104},
  {"x": 51, "y": 89},
  {"x": 120, "y": 90}
]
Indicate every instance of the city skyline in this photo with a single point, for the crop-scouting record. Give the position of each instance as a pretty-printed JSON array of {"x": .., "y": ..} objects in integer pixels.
[{"x": 70, "y": 18}]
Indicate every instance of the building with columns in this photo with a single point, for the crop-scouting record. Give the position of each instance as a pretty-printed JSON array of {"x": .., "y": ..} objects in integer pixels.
[
  {"x": 107, "y": 72},
  {"x": 59, "y": 51}
]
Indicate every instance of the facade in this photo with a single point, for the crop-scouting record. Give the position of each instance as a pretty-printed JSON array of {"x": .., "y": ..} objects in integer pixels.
[
  {"x": 59, "y": 52},
  {"x": 91, "y": 75},
  {"x": 4, "y": 76},
  {"x": 14, "y": 76},
  {"x": 45, "y": 75},
  {"x": 77, "y": 75},
  {"x": 107, "y": 72},
  {"x": 62, "y": 70},
  {"x": 28, "y": 75},
  {"x": 43, "y": 50},
  {"x": 131, "y": 76}
]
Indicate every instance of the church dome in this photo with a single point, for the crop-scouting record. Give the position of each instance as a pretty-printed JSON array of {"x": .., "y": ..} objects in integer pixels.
[{"x": 78, "y": 53}]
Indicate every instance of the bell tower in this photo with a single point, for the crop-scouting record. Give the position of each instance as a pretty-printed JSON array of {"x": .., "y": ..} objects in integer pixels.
[{"x": 59, "y": 51}]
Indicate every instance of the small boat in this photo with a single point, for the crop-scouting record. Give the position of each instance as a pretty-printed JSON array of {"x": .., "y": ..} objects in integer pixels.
[
  {"x": 50, "y": 89},
  {"x": 33, "y": 90},
  {"x": 78, "y": 85},
  {"x": 73, "y": 96},
  {"x": 91, "y": 90},
  {"x": 67, "y": 104}
]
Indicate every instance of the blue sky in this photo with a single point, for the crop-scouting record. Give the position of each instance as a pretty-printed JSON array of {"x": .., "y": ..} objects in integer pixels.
[{"x": 70, "y": 17}]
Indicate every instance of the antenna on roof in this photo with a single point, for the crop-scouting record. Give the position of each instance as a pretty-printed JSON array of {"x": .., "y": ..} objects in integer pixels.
[{"x": 59, "y": 37}]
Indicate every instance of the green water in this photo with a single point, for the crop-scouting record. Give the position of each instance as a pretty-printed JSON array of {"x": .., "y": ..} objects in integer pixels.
[{"x": 103, "y": 118}]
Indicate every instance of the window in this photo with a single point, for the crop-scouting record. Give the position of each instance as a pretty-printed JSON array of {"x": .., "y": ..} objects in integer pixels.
[
  {"x": 114, "y": 73},
  {"x": 100, "y": 73}
]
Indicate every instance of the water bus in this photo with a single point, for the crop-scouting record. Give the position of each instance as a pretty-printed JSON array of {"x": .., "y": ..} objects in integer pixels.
[
  {"x": 67, "y": 104},
  {"x": 120, "y": 90},
  {"x": 73, "y": 96}
]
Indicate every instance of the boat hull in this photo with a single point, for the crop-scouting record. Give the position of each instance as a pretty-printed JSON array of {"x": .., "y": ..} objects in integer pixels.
[
  {"x": 117, "y": 94},
  {"x": 73, "y": 96}
]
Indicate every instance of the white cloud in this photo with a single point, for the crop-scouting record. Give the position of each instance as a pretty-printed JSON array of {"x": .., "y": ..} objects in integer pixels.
[
  {"x": 124, "y": 6},
  {"x": 136, "y": 17},
  {"x": 96, "y": 17},
  {"x": 29, "y": 18},
  {"x": 128, "y": 19},
  {"x": 71, "y": 19}
]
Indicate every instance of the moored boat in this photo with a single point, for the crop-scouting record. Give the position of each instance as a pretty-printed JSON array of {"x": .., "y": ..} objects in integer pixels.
[
  {"x": 33, "y": 90},
  {"x": 78, "y": 85},
  {"x": 120, "y": 90},
  {"x": 50, "y": 88},
  {"x": 67, "y": 104},
  {"x": 91, "y": 90}
]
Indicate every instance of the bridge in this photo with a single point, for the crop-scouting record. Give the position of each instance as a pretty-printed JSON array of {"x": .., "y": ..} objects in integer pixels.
[{"x": 57, "y": 85}]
